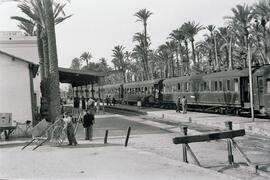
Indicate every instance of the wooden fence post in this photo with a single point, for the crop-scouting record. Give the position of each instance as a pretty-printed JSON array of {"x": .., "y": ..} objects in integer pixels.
[
  {"x": 228, "y": 124},
  {"x": 185, "y": 129},
  {"x": 106, "y": 136},
  {"x": 127, "y": 137}
]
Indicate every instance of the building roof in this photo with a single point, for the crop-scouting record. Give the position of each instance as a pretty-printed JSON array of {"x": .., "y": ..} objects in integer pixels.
[
  {"x": 79, "y": 77},
  {"x": 32, "y": 65}
]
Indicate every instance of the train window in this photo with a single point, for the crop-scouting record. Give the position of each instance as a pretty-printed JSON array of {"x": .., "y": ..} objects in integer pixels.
[
  {"x": 228, "y": 85},
  {"x": 220, "y": 85},
  {"x": 216, "y": 86},
  {"x": 268, "y": 86},
  {"x": 236, "y": 85}
]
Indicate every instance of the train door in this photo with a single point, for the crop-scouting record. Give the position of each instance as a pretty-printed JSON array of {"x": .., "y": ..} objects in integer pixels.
[
  {"x": 244, "y": 89},
  {"x": 260, "y": 90}
]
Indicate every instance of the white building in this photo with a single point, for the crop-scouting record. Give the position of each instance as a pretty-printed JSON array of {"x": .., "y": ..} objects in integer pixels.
[
  {"x": 16, "y": 87},
  {"x": 18, "y": 63}
]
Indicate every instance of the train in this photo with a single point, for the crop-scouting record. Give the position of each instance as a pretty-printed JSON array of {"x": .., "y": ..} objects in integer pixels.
[{"x": 220, "y": 92}]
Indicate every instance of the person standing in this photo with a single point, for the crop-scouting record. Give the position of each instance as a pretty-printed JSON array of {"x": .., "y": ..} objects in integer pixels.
[
  {"x": 184, "y": 105},
  {"x": 107, "y": 100},
  {"x": 69, "y": 130},
  {"x": 98, "y": 105},
  {"x": 113, "y": 101},
  {"x": 178, "y": 104},
  {"x": 88, "y": 121}
]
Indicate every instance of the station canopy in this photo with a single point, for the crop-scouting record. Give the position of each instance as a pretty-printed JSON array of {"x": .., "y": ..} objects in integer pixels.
[{"x": 79, "y": 77}]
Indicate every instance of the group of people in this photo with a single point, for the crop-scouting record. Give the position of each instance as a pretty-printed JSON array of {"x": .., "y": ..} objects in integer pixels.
[
  {"x": 88, "y": 121},
  {"x": 110, "y": 101},
  {"x": 181, "y": 102}
]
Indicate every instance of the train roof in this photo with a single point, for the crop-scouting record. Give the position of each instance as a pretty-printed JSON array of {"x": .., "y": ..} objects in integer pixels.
[
  {"x": 141, "y": 83},
  {"x": 112, "y": 85},
  {"x": 215, "y": 75}
]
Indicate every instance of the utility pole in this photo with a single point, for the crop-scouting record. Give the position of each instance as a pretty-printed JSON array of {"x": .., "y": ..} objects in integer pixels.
[{"x": 250, "y": 84}]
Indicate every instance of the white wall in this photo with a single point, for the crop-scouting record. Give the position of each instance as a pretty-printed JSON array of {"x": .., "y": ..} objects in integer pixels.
[
  {"x": 25, "y": 47},
  {"x": 15, "y": 94}
]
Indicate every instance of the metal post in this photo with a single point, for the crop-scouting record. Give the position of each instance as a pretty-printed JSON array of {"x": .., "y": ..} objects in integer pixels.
[
  {"x": 106, "y": 136},
  {"x": 185, "y": 129},
  {"x": 250, "y": 84},
  {"x": 228, "y": 124},
  {"x": 127, "y": 137}
]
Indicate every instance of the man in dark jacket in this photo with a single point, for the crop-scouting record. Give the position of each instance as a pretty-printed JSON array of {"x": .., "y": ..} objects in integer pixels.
[{"x": 88, "y": 121}]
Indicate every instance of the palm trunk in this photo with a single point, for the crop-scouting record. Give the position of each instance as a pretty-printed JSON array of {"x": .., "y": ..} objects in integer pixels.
[
  {"x": 54, "y": 106},
  {"x": 216, "y": 55},
  {"x": 193, "y": 53},
  {"x": 46, "y": 56},
  {"x": 146, "y": 51},
  {"x": 187, "y": 63},
  {"x": 230, "y": 54},
  {"x": 40, "y": 52},
  {"x": 177, "y": 60},
  {"x": 266, "y": 51},
  {"x": 172, "y": 65}
]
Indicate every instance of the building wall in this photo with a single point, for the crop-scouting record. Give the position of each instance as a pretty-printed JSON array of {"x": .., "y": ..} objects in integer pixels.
[
  {"x": 25, "y": 47},
  {"x": 15, "y": 94}
]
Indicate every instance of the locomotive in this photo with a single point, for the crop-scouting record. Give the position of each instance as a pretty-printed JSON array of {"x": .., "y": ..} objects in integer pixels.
[{"x": 221, "y": 92}]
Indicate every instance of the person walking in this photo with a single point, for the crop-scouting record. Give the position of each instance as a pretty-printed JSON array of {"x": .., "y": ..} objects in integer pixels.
[
  {"x": 178, "y": 104},
  {"x": 184, "y": 105},
  {"x": 69, "y": 129},
  {"x": 88, "y": 121}
]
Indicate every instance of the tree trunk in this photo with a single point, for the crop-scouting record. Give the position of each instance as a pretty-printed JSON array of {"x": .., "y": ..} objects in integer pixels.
[
  {"x": 216, "y": 55},
  {"x": 193, "y": 53},
  {"x": 172, "y": 65},
  {"x": 46, "y": 55},
  {"x": 40, "y": 52},
  {"x": 177, "y": 59},
  {"x": 54, "y": 106},
  {"x": 146, "y": 51},
  {"x": 266, "y": 51},
  {"x": 187, "y": 56},
  {"x": 230, "y": 54}
]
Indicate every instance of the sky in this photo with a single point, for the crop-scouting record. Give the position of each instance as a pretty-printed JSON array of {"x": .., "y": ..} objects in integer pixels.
[{"x": 98, "y": 25}]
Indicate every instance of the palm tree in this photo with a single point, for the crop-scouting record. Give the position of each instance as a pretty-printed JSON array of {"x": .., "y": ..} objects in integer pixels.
[
  {"x": 75, "y": 63},
  {"x": 138, "y": 53},
  {"x": 140, "y": 38},
  {"x": 86, "y": 56},
  {"x": 227, "y": 35},
  {"x": 54, "y": 106},
  {"x": 143, "y": 16},
  {"x": 164, "y": 56},
  {"x": 262, "y": 14},
  {"x": 191, "y": 29},
  {"x": 119, "y": 60},
  {"x": 186, "y": 37},
  {"x": 241, "y": 23},
  {"x": 35, "y": 25},
  {"x": 211, "y": 29},
  {"x": 179, "y": 37}
]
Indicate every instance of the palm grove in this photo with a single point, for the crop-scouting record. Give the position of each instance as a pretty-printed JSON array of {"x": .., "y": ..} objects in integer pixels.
[{"x": 222, "y": 48}]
